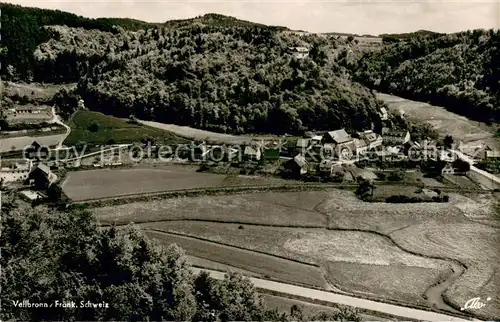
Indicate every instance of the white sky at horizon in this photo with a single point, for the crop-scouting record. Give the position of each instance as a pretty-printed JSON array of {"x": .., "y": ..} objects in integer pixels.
[{"x": 359, "y": 17}]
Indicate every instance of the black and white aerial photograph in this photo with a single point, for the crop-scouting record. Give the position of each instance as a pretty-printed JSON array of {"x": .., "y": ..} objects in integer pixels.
[{"x": 250, "y": 160}]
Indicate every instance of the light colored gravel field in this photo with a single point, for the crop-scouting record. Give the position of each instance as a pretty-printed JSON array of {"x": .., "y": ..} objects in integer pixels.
[
  {"x": 19, "y": 143},
  {"x": 236, "y": 208}
]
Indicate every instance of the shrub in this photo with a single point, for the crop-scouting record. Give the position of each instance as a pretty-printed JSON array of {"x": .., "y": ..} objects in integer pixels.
[
  {"x": 93, "y": 127},
  {"x": 397, "y": 175}
]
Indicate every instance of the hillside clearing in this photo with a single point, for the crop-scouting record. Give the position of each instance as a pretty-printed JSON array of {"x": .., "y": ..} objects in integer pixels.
[
  {"x": 111, "y": 129},
  {"x": 443, "y": 121}
]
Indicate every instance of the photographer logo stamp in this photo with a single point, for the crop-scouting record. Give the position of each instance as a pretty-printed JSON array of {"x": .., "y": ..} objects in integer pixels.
[{"x": 474, "y": 303}]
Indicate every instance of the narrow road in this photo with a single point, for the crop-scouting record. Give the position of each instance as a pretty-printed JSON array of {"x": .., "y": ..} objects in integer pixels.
[
  {"x": 325, "y": 296},
  {"x": 57, "y": 119},
  {"x": 485, "y": 174}
]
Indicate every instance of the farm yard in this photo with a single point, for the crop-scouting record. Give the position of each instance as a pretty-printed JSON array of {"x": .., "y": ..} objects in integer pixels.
[
  {"x": 104, "y": 183},
  {"x": 334, "y": 240}
]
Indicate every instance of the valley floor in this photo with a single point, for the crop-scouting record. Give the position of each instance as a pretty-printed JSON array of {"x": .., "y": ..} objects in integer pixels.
[{"x": 436, "y": 256}]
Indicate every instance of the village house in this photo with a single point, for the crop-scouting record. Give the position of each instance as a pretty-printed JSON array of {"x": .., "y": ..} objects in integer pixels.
[
  {"x": 30, "y": 196},
  {"x": 326, "y": 167},
  {"x": 299, "y": 165},
  {"x": 372, "y": 139},
  {"x": 328, "y": 151},
  {"x": 448, "y": 169},
  {"x": 302, "y": 145},
  {"x": 299, "y": 52},
  {"x": 13, "y": 170},
  {"x": 384, "y": 116},
  {"x": 252, "y": 153},
  {"x": 361, "y": 146},
  {"x": 492, "y": 155},
  {"x": 316, "y": 139},
  {"x": 390, "y": 154},
  {"x": 36, "y": 151},
  {"x": 42, "y": 177},
  {"x": 343, "y": 143},
  {"x": 337, "y": 137},
  {"x": 480, "y": 151},
  {"x": 391, "y": 137}
]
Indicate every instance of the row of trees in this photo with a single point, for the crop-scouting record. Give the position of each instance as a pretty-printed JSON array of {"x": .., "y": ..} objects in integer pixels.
[
  {"x": 459, "y": 71},
  {"x": 50, "y": 256}
]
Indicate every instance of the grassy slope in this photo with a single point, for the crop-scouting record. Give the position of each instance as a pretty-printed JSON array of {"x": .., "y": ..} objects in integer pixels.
[{"x": 114, "y": 128}]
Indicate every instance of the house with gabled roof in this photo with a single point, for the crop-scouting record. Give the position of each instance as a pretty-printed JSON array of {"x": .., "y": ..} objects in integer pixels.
[
  {"x": 337, "y": 137},
  {"x": 394, "y": 137},
  {"x": 361, "y": 146},
  {"x": 297, "y": 166},
  {"x": 299, "y": 52},
  {"x": 252, "y": 153},
  {"x": 301, "y": 145},
  {"x": 372, "y": 139},
  {"x": 383, "y": 114},
  {"x": 42, "y": 177}
]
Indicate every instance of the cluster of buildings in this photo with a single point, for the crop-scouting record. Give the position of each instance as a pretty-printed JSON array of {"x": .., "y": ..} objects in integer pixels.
[
  {"x": 324, "y": 152},
  {"x": 29, "y": 170},
  {"x": 37, "y": 175},
  {"x": 27, "y": 112},
  {"x": 334, "y": 147}
]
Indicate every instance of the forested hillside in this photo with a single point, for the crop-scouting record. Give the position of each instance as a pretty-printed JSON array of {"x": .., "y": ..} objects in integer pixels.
[
  {"x": 459, "y": 71},
  {"x": 224, "y": 78},
  {"x": 212, "y": 72},
  {"x": 21, "y": 33}
]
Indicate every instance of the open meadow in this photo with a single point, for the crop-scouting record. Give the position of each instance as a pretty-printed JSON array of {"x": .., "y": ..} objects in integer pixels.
[
  {"x": 209, "y": 137},
  {"x": 104, "y": 183},
  {"x": 20, "y": 142},
  {"x": 95, "y": 128},
  {"x": 411, "y": 253}
]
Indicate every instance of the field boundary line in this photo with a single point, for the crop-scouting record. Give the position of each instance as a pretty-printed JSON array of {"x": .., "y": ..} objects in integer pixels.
[
  {"x": 231, "y": 246},
  {"x": 209, "y": 191},
  {"x": 382, "y": 300},
  {"x": 364, "y": 297},
  {"x": 442, "y": 258},
  {"x": 108, "y": 223},
  {"x": 134, "y": 197}
]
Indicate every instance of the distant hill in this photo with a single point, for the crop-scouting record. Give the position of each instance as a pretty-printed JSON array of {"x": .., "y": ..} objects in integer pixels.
[
  {"x": 459, "y": 71},
  {"x": 22, "y": 31},
  {"x": 419, "y": 33},
  {"x": 214, "y": 19},
  {"x": 343, "y": 34}
]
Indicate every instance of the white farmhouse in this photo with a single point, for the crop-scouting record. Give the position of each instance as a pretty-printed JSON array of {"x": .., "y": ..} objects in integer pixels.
[{"x": 299, "y": 52}]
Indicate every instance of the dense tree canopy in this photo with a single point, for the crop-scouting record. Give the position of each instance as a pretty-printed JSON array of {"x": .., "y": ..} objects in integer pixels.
[
  {"x": 228, "y": 79},
  {"x": 50, "y": 256},
  {"x": 212, "y": 72},
  {"x": 459, "y": 71}
]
